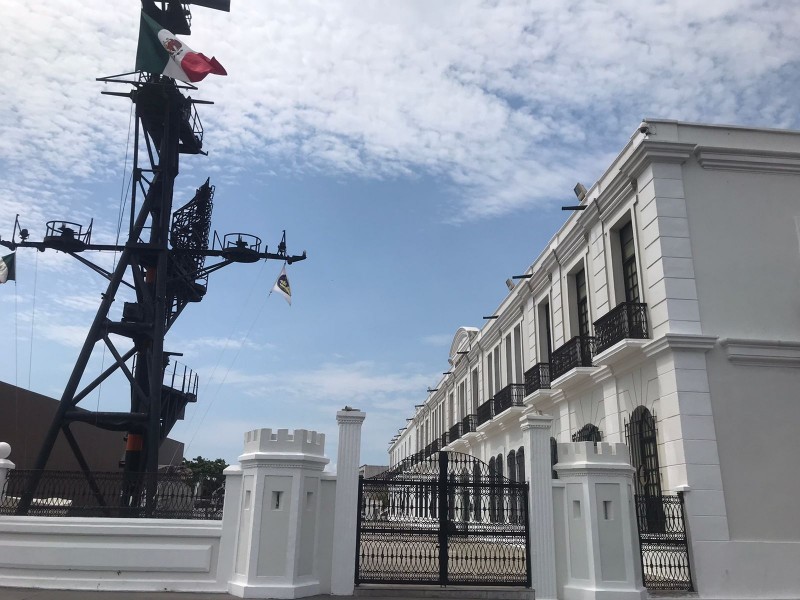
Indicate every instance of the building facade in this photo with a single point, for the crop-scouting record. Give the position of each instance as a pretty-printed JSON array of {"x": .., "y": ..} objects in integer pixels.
[{"x": 665, "y": 315}]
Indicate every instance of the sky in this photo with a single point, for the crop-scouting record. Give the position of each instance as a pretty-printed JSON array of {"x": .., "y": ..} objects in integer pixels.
[{"x": 419, "y": 151}]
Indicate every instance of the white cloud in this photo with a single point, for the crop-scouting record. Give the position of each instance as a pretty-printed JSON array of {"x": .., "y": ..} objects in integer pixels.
[
  {"x": 438, "y": 339},
  {"x": 511, "y": 102}
]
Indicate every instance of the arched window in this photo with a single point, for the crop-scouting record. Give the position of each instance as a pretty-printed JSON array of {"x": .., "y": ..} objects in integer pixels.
[
  {"x": 492, "y": 497},
  {"x": 499, "y": 491},
  {"x": 476, "y": 492},
  {"x": 588, "y": 433},
  {"x": 511, "y": 464},
  {"x": 521, "y": 465},
  {"x": 641, "y": 436}
]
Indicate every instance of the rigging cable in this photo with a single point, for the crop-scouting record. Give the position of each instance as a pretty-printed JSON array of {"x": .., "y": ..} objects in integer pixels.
[
  {"x": 230, "y": 366},
  {"x": 33, "y": 318},
  {"x": 123, "y": 202}
]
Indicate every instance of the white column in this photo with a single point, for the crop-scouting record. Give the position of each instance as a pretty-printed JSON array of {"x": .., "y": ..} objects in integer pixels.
[
  {"x": 600, "y": 523},
  {"x": 278, "y": 515},
  {"x": 231, "y": 511},
  {"x": 536, "y": 432},
  {"x": 5, "y": 466},
  {"x": 346, "y": 511}
]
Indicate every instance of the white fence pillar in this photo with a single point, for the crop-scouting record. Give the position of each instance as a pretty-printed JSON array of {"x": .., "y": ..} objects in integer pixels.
[
  {"x": 600, "y": 522},
  {"x": 5, "y": 466},
  {"x": 536, "y": 429},
  {"x": 346, "y": 511},
  {"x": 278, "y": 515}
]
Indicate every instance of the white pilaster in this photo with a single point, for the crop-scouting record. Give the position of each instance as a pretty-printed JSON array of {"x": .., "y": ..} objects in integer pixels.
[
  {"x": 536, "y": 432},
  {"x": 5, "y": 466},
  {"x": 346, "y": 511}
]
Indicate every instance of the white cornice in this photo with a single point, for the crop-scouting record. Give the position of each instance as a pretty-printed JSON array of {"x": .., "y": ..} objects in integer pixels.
[
  {"x": 754, "y": 161},
  {"x": 650, "y": 151},
  {"x": 680, "y": 341},
  {"x": 762, "y": 353}
]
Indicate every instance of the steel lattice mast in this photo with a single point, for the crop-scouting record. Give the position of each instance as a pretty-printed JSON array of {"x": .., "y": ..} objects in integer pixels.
[{"x": 163, "y": 261}]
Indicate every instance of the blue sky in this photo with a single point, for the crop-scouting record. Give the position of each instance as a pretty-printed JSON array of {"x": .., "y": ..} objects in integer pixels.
[{"x": 419, "y": 151}]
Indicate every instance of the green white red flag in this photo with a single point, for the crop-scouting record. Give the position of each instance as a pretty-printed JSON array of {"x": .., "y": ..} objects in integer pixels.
[
  {"x": 162, "y": 53},
  {"x": 7, "y": 270}
]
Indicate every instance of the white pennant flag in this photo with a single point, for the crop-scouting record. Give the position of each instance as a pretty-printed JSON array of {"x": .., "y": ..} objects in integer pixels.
[{"x": 282, "y": 286}]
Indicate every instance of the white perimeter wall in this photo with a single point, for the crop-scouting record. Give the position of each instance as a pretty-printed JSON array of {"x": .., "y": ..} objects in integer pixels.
[
  {"x": 111, "y": 554},
  {"x": 135, "y": 554}
]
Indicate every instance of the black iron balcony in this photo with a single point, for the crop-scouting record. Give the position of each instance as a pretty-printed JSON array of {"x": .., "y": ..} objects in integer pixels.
[
  {"x": 485, "y": 412},
  {"x": 577, "y": 352},
  {"x": 626, "y": 321},
  {"x": 537, "y": 378},
  {"x": 434, "y": 446},
  {"x": 455, "y": 432},
  {"x": 469, "y": 423},
  {"x": 511, "y": 395},
  {"x": 445, "y": 439}
]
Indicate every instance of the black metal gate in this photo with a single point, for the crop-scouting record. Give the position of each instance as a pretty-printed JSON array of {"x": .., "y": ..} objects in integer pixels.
[{"x": 445, "y": 519}]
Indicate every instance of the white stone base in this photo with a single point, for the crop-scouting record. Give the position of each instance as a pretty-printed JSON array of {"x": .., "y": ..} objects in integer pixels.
[
  {"x": 575, "y": 592},
  {"x": 249, "y": 590}
]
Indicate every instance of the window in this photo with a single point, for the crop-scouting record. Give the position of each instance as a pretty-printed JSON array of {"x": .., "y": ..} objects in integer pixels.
[
  {"x": 518, "y": 370},
  {"x": 497, "y": 384},
  {"x": 588, "y": 433},
  {"x": 475, "y": 391},
  {"x": 509, "y": 361},
  {"x": 630, "y": 275},
  {"x": 452, "y": 408},
  {"x": 462, "y": 398},
  {"x": 582, "y": 303},
  {"x": 544, "y": 337},
  {"x": 641, "y": 437},
  {"x": 490, "y": 374},
  {"x": 511, "y": 464}
]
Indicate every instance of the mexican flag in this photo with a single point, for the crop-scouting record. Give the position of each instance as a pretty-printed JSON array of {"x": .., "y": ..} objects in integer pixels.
[
  {"x": 7, "y": 268},
  {"x": 160, "y": 52}
]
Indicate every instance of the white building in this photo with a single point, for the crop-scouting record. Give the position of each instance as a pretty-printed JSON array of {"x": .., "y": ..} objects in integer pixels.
[{"x": 672, "y": 300}]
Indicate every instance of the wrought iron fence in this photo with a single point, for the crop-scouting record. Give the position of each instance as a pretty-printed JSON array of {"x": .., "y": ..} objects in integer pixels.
[
  {"x": 485, "y": 412},
  {"x": 449, "y": 520},
  {"x": 455, "y": 432},
  {"x": 537, "y": 378},
  {"x": 577, "y": 352},
  {"x": 662, "y": 537},
  {"x": 511, "y": 395},
  {"x": 626, "y": 321},
  {"x": 468, "y": 424},
  {"x": 71, "y": 494}
]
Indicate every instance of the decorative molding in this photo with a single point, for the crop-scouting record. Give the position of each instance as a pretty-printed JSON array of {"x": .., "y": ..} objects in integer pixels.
[
  {"x": 650, "y": 151},
  {"x": 350, "y": 417},
  {"x": 628, "y": 351},
  {"x": 748, "y": 160},
  {"x": 762, "y": 353},
  {"x": 680, "y": 341}
]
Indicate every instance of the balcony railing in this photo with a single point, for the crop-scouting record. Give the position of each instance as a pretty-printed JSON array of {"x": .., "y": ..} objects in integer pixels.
[
  {"x": 455, "y": 432},
  {"x": 577, "y": 352},
  {"x": 626, "y": 321},
  {"x": 485, "y": 412},
  {"x": 468, "y": 424},
  {"x": 537, "y": 378},
  {"x": 511, "y": 395},
  {"x": 445, "y": 439}
]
